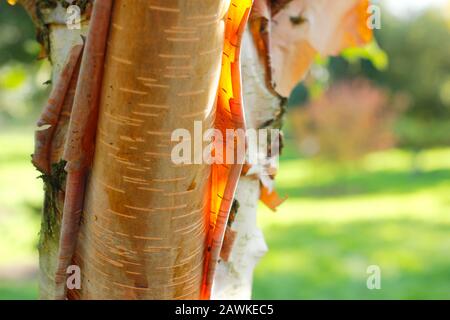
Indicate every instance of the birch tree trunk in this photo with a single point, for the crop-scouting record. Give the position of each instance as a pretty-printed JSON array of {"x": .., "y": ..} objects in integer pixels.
[
  {"x": 145, "y": 221},
  {"x": 144, "y": 228},
  {"x": 151, "y": 229}
]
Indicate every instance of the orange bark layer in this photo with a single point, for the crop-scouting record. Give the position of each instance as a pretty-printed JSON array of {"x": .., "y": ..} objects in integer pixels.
[
  {"x": 230, "y": 115},
  {"x": 145, "y": 219}
]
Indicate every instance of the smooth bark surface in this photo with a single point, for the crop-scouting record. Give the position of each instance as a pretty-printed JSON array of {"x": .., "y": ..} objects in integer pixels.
[{"x": 145, "y": 220}]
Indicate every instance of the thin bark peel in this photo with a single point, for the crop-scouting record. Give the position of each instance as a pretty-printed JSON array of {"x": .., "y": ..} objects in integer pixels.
[
  {"x": 50, "y": 116},
  {"x": 233, "y": 279},
  {"x": 230, "y": 115},
  {"x": 66, "y": 44},
  {"x": 303, "y": 28},
  {"x": 80, "y": 142}
]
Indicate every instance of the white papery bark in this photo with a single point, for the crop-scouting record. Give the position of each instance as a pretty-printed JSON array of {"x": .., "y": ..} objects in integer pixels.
[
  {"x": 234, "y": 278},
  {"x": 62, "y": 39}
]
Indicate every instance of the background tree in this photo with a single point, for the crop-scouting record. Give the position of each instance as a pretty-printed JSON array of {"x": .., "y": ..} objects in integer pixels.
[
  {"x": 350, "y": 120},
  {"x": 417, "y": 73},
  {"x": 21, "y": 77}
]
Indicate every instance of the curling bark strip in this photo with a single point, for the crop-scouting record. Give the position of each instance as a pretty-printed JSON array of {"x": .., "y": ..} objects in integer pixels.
[
  {"x": 80, "y": 141},
  {"x": 230, "y": 115},
  {"x": 49, "y": 118}
]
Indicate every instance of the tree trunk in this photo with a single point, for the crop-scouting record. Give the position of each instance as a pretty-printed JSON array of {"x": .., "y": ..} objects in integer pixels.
[
  {"x": 145, "y": 222},
  {"x": 145, "y": 219},
  {"x": 141, "y": 226}
]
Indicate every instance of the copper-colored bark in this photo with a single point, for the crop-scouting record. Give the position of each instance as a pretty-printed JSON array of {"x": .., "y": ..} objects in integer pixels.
[
  {"x": 50, "y": 116},
  {"x": 260, "y": 26},
  {"x": 228, "y": 242},
  {"x": 83, "y": 121},
  {"x": 145, "y": 219},
  {"x": 80, "y": 139}
]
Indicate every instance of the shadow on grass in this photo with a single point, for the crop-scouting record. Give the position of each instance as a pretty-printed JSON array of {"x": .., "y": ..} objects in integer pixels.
[
  {"x": 329, "y": 261},
  {"x": 369, "y": 183}
]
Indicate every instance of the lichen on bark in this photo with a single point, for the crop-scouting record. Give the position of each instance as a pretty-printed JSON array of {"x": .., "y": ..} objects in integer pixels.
[
  {"x": 50, "y": 225},
  {"x": 53, "y": 187}
]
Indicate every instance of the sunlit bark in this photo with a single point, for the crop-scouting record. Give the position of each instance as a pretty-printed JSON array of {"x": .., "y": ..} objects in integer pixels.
[{"x": 151, "y": 229}]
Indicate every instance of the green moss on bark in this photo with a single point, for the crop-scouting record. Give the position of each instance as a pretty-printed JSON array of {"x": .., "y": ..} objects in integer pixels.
[{"x": 53, "y": 203}]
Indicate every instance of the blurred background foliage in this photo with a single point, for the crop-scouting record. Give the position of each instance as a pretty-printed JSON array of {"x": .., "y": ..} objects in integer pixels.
[
  {"x": 413, "y": 66},
  {"x": 21, "y": 76},
  {"x": 366, "y": 167}
]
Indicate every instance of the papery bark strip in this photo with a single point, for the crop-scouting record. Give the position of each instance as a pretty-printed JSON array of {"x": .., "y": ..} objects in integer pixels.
[
  {"x": 81, "y": 134},
  {"x": 48, "y": 120},
  {"x": 230, "y": 115}
]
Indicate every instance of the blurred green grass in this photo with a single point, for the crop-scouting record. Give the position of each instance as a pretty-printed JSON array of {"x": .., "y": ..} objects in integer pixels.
[
  {"x": 337, "y": 223},
  {"x": 20, "y": 202},
  {"x": 19, "y": 290},
  {"x": 321, "y": 240}
]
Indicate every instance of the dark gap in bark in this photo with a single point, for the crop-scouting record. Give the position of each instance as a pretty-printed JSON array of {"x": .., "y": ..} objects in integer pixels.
[
  {"x": 297, "y": 20},
  {"x": 233, "y": 212}
]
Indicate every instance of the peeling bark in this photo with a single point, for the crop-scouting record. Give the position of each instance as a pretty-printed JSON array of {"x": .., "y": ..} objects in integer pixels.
[
  {"x": 278, "y": 49},
  {"x": 62, "y": 41},
  {"x": 51, "y": 114},
  {"x": 151, "y": 229},
  {"x": 80, "y": 144},
  {"x": 234, "y": 277}
]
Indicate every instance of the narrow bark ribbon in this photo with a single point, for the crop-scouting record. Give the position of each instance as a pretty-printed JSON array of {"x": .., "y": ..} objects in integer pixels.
[
  {"x": 50, "y": 115},
  {"x": 81, "y": 136},
  {"x": 230, "y": 115}
]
